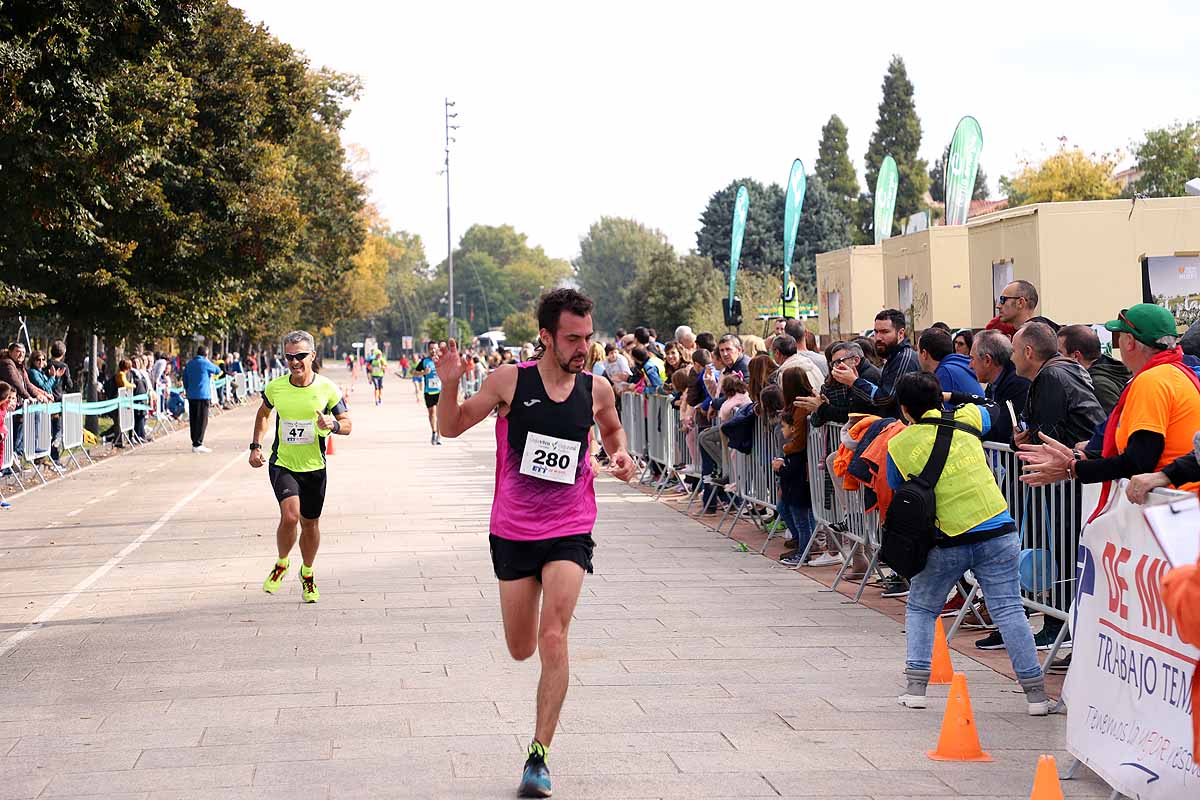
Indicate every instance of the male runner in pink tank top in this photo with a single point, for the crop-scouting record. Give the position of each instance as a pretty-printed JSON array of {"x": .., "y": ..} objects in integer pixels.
[{"x": 544, "y": 508}]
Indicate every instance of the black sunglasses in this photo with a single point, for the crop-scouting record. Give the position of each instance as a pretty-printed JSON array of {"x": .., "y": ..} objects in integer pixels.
[
  {"x": 1121, "y": 316},
  {"x": 296, "y": 356}
]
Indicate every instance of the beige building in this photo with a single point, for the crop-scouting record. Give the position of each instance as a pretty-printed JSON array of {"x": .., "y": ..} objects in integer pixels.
[
  {"x": 849, "y": 290},
  {"x": 1083, "y": 257},
  {"x": 925, "y": 275}
]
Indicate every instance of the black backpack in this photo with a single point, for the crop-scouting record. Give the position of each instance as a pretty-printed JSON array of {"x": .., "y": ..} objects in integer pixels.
[{"x": 908, "y": 532}]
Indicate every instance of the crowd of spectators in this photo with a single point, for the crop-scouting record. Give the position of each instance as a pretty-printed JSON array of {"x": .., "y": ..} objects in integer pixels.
[{"x": 1070, "y": 411}]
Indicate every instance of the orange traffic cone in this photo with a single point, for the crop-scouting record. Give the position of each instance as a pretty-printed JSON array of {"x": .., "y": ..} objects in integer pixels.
[
  {"x": 1045, "y": 781},
  {"x": 329, "y": 451},
  {"x": 960, "y": 739},
  {"x": 941, "y": 671}
]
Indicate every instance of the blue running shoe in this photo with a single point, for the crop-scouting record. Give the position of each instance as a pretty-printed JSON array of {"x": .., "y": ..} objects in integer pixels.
[{"x": 535, "y": 782}]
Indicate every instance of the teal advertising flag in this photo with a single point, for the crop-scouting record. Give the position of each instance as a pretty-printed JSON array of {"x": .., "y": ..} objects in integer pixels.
[
  {"x": 791, "y": 216},
  {"x": 960, "y": 170},
  {"x": 741, "y": 207},
  {"x": 885, "y": 198}
]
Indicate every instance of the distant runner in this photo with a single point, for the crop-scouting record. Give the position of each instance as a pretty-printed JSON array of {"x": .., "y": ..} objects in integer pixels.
[
  {"x": 426, "y": 369},
  {"x": 378, "y": 370},
  {"x": 544, "y": 509},
  {"x": 308, "y": 408}
]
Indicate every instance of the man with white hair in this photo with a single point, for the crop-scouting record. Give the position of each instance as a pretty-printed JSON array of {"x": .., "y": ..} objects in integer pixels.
[
  {"x": 308, "y": 409},
  {"x": 686, "y": 339}
]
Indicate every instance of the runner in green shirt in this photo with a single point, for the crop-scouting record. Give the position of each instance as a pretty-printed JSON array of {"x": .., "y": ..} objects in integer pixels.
[
  {"x": 308, "y": 409},
  {"x": 378, "y": 369}
]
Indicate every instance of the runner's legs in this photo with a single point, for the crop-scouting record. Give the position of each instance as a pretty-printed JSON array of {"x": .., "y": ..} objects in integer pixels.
[
  {"x": 310, "y": 540},
  {"x": 561, "y": 584},
  {"x": 289, "y": 519},
  {"x": 519, "y": 609}
]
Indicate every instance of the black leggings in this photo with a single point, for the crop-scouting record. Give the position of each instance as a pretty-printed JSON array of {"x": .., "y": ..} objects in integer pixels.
[{"x": 198, "y": 420}]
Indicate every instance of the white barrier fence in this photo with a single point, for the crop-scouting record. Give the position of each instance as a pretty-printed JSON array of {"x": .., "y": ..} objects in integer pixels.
[{"x": 34, "y": 431}]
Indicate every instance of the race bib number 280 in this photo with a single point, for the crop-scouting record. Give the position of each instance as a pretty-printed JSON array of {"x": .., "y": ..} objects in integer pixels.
[{"x": 550, "y": 458}]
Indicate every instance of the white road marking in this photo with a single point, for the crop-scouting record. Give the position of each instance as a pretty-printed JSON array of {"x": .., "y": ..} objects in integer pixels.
[{"x": 81, "y": 587}]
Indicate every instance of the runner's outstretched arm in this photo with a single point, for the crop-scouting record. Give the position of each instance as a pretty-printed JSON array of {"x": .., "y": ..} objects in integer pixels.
[
  {"x": 604, "y": 409},
  {"x": 453, "y": 418}
]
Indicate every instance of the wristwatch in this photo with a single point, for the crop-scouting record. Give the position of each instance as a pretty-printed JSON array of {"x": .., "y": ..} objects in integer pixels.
[{"x": 255, "y": 446}]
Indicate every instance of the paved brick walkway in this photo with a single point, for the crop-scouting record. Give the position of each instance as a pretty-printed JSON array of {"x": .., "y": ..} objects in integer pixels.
[{"x": 163, "y": 671}]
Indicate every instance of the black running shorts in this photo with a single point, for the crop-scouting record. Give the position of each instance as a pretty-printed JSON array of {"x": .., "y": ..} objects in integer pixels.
[
  {"x": 308, "y": 486},
  {"x": 513, "y": 560},
  {"x": 377, "y": 380},
  {"x": 431, "y": 400}
]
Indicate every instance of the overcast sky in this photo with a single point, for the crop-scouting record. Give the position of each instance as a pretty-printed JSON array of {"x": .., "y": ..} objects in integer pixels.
[{"x": 571, "y": 111}]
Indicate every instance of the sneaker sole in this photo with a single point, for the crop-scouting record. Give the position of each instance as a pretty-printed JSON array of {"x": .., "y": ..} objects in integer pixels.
[
  {"x": 533, "y": 792},
  {"x": 898, "y": 594},
  {"x": 990, "y": 647},
  {"x": 913, "y": 701}
]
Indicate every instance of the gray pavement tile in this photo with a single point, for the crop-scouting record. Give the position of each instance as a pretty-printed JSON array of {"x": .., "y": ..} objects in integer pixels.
[
  {"x": 145, "y": 780},
  {"x": 396, "y": 769},
  {"x": 411, "y": 747},
  {"x": 273, "y": 752},
  {"x": 915, "y": 782}
]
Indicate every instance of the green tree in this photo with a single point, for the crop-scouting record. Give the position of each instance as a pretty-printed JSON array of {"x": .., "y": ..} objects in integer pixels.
[
  {"x": 898, "y": 134},
  {"x": 435, "y": 326},
  {"x": 836, "y": 170},
  {"x": 519, "y": 327},
  {"x": 762, "y": 244},
  {"x": 937, "y": 180},
  {"x": 1167, "y": 159},
  {"x": 1069, "y": 174},
  {"x": 496, "y": 272},
  {"x": 612, "y": 255},
  {"x": 674, "y": 291}
]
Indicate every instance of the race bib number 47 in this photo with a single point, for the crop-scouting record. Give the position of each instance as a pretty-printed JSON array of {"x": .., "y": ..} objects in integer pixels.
[
  {"x": 550, "y": 458},
  {"x": 296, "y": 431}
]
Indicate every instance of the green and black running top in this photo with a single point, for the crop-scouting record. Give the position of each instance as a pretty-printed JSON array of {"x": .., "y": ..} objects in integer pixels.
[{"x": 299, "y": 444}]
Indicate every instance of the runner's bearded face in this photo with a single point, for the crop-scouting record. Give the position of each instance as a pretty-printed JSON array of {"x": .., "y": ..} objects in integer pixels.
[{"x": 569, "y": 344}]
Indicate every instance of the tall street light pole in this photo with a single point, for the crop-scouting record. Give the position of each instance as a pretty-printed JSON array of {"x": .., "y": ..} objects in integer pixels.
[{"x": 449, "y": 241}]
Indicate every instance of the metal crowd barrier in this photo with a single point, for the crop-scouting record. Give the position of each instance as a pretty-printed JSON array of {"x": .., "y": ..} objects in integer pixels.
[
  {"x": 36, "y": 430},
  {"x": 72, "y": 427},
  {"x": 1048, "y": 518}
]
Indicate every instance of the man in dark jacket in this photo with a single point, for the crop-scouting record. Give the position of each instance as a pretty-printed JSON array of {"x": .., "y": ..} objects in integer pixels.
[
  {"x": 890, "y": 342},
  {"x": 1109, "y": 376},
  {"x": 991, "y": 361},
  {"x": 835, "y": 402},
  {"x": 1061, "y": 403}
]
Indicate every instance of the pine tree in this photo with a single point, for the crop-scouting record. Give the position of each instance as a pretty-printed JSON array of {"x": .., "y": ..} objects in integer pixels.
[
  {"x": 835, "y": 169},
  {"x": 897, "y": 133}
]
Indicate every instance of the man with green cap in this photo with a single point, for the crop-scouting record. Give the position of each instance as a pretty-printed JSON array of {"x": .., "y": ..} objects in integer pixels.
[{"x": 1154, "y": 420}]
